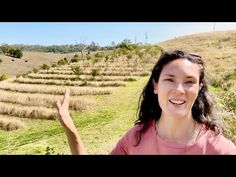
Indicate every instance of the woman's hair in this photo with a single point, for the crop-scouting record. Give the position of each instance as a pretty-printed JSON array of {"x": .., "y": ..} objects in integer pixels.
[{"x": 149, "y": 108}]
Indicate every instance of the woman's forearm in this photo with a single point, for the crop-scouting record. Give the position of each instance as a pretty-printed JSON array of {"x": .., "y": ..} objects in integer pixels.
[{"x": 75, "y": 142}]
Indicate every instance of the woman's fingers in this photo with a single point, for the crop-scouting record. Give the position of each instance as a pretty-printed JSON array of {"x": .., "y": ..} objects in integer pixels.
[
  {"x": 58, "y": 105},
  {"x": 65, "y": 102}
]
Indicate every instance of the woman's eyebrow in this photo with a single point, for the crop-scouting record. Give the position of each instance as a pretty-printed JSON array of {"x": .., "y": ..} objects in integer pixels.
[
  {"x": 190, "y": 77},
  {"x": 170, "y": 75}
]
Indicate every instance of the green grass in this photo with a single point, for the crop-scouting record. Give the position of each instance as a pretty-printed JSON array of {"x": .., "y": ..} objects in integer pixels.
[{"x": 100, "y": 128}]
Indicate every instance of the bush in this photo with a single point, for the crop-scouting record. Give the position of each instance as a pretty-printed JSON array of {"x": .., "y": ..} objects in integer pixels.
[
  {"x": 54, "y": 65},
  {"x": 77, "y": 70},
  {"x": 95, "y": 60},
  {"x": 75, "y": 59},
  {"x": 129, "y": 56},
  {"x": 17, "y": 53},
  {"x": 44, "y": 66},
  {"x": 63, "y": 61},
  {"x": 95, "y": 72},
  {"x": 99, "y": 54},
  {"x": 35, "y": 70},
  {"x": 0, "y": 60},
  {"x": 3, "y": 77}
]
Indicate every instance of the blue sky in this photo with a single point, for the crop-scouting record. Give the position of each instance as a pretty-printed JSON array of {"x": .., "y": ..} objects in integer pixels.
[{"x": 54, "y": 33}]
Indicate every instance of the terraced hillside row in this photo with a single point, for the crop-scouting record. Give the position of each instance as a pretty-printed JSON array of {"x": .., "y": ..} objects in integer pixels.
[{"x": 33, "y": 95}]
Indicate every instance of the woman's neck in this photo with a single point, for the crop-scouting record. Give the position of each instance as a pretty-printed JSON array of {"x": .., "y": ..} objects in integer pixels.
[{"x": 177, "y": 130}]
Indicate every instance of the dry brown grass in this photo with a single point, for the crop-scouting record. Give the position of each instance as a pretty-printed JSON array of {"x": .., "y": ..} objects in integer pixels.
[
  {"x": 52, "y": 76},
  {"x": 10, "y": 124},
  {"x": 217, "y": 49},
  {"x": 55, "y": 90},
  {"x": 42, "y": 100},
  {"x": 35, "y": 59},
  {"x": 56, "y": 71},
  {"x": 69, "y": 82},
  {"x": 80, "y": 77},
  {"x": 32, "y": 112}
]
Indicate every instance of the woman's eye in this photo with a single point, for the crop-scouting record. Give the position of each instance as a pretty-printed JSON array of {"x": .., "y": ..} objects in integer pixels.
[
  {"x": 190, "y": 82},
  {"x": 170, "y": 80}
]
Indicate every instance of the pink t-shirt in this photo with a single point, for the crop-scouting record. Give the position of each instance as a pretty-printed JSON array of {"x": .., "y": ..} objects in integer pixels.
[{"x": 151, "y": 143}]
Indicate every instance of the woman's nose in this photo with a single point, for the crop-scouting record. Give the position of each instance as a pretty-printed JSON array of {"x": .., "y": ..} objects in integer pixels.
[{"x": 179, "y": 88}]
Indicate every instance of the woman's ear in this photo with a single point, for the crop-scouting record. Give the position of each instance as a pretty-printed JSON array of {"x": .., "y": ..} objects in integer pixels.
[
  {"x": 200, "y": 86},
  {"x": 154, "y": 86}
]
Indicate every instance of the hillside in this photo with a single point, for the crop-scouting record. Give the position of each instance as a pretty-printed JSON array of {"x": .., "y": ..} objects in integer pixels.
[
  {"x": 99, "y": 88},
  {"x": 29, "y": 61}
]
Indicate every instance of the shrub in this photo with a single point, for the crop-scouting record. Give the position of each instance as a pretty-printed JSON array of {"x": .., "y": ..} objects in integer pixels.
[
  {"x": 95, "y": 72},
  {"x": 63, "y": 61},
  {"x": 35, "y": 70},
  {"x": 99, "y": 54},
  {"x": 0, "y": 60},
  {"x": 129, "y": 56},
  {"x": 75, "y": 59},
  {"x": 77, "y": 70},
  {"x": 3, "y": 77},
  {"x": 95, "y": 60},
  {"x": 44, "y": 66},
  {"x": 54, "y": 65}
]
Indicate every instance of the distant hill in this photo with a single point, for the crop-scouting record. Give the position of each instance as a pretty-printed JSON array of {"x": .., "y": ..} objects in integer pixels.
[
  {"x": 13, "y": 66},
  {"x": 218, "y": 49}
]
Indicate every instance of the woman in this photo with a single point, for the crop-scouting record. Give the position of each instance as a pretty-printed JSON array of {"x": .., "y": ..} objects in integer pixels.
[{"x": 175, "y": 114}]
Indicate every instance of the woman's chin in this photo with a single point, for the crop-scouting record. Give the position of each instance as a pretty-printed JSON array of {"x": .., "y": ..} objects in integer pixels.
[{"x": 178, "y": 113}]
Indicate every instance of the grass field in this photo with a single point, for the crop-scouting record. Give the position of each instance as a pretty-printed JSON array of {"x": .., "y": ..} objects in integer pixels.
[{"x": 100, "y": 128}]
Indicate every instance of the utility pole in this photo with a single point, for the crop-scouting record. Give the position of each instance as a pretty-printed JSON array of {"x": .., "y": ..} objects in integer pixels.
[
  {"x": 146, "y": 38},
  {"x": 135, "y": 39}
]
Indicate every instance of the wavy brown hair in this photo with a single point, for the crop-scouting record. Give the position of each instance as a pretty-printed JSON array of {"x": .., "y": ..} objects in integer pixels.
[{"x": 149, "y": 108}]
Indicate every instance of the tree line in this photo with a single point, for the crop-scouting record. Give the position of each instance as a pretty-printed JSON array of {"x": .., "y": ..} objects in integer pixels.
[{"x": 11, "y": 51}]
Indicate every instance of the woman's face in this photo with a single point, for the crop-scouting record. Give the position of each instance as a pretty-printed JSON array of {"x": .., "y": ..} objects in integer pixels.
[{"x": 178, "y": 88}]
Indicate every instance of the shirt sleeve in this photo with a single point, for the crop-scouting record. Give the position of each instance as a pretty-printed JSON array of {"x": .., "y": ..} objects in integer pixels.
[
  {"x": 231, "y": 148},
  {"x": 121, "y": 147},
  {"x": 224, "y": 146}
]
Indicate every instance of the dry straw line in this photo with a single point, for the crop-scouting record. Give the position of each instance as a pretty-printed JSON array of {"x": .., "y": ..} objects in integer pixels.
[
  {"x": 76, "y": 103},
  {"x": 55, "y": 90},
  {"x": 32, "y": 112},
  {"x": 71, "y": 83},
  {"x": 10, "y": 124}
]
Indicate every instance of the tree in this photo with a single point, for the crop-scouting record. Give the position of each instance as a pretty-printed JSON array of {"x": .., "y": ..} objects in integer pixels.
[
  {"x": 125, "y": 44},
  {"x": 5, "y": 48},
  {"x": 17, "y": 53},
  {"x": 113, "y": 44},
  {"x": 93, "y": 46}
]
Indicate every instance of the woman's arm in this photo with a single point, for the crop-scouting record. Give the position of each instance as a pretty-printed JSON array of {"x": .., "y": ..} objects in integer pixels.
[{"x": 74, "y": 140}]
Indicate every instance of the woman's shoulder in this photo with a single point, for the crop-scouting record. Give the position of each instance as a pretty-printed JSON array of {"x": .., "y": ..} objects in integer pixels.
[
  {"x": 127, "y": 144},
  {"x": 219, "y": 144},
  {"x": 138, "y": 127}
]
